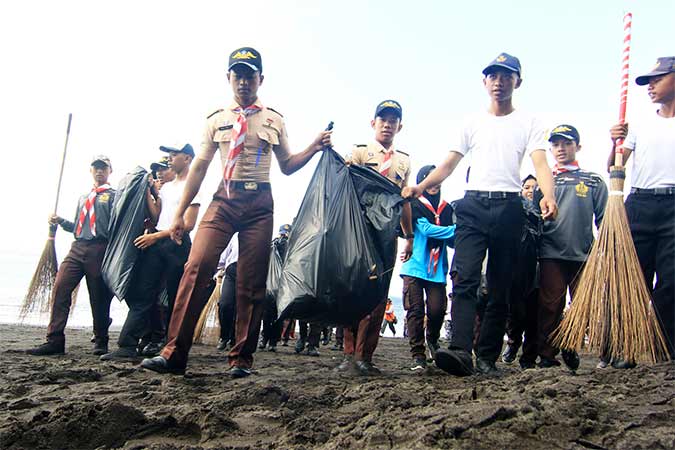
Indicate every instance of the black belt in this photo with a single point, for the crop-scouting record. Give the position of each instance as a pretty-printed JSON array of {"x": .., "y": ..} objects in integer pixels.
[
  {"x": 492, "y": 194},
  {"x": 250, "y": 186},
  {"x": 657, "y": 191}
]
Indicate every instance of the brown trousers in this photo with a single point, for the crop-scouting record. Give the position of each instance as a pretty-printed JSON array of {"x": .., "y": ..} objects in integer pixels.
[
  {"x": 361, "y": 340},
  {"x": 414, "y": 304},
  {"x": 83, "y": 260},
  {"x": 556, "y": 276},
  {"x": 251, "y": 214}
]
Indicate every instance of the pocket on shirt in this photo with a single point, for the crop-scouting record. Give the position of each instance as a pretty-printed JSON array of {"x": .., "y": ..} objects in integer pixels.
[
  {"x": 222, "y": 135},
  {"x": 269, "y": 135}
]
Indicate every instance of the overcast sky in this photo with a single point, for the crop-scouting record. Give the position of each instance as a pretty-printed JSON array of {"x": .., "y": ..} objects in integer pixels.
[{"x": 141, "y": 74}]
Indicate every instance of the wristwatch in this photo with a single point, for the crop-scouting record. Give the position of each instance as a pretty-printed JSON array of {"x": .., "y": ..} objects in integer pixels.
[{"x": 407, "y": 236}]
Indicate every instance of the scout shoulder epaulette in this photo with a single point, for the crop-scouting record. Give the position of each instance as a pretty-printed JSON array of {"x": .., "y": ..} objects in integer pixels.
[
  {"x": 214, "y": 113},
  {"x": 399, "y": 151},
  {"x": 360, "y": 145},
  {"x": 275, "y": 111}
]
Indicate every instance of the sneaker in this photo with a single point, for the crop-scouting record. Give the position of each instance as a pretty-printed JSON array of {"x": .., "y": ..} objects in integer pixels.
[
  {"x": 222, "y": 345},
  {"x": 48, "y": 348},
  {"x": 152, "y": 349},
  {"x": 239, "y": 372},
  {"x": 455, "y": 362},
  {"x": 262, "y": 344},
  {"x": 159, "y": 364},
  {"x": 527, "y": 364},
  {"x": 299, "y": 346},
  {"x": 509, "y": 355},
  {"x": 100, "y": 346},
  {"x": 272, "y": 348},
  {"x": 488, "y": 368},
  {"x": 122, "y": 353},
  {"x": 545, "y": 363},
  {"x": 312, "y": 351},
  {"x": 571, "y": 359},
  {"x": 623, "y": 364},
  {"x": 367, "y": 368},
  {"x": 284, "y": 344},
  {"x": 347, "y": 365},
  {"x": 602, "y": 364},
  {"x": 418, "y": 364}
]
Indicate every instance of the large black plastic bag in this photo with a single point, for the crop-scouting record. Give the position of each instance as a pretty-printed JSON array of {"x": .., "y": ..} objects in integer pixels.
[
  {"x": 342, "y": 248},
  {"x": 126, "y": 224},
  {"x": 273, "y": 273}
]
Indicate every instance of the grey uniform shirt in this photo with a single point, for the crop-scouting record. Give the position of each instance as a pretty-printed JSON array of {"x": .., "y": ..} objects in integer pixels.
[
  {"x": 581, "y": 195},
  {"x": 102, "y": 207}
]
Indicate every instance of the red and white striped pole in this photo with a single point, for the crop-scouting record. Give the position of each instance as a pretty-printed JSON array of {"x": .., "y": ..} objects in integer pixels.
[{"x": 627, "y": 24}]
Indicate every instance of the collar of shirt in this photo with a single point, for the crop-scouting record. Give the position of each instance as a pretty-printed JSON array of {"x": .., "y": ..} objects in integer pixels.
[
  {"x": 380, "y": 148},
  {"x": 234, "y": 105}
]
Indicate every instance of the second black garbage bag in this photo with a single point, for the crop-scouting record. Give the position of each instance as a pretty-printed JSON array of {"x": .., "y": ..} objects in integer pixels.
[{"x": 342, "y": 249}]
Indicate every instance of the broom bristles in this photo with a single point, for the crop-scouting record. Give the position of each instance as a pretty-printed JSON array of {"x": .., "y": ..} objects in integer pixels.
[
  {"x": 612, "y": 304},
  {"x": 207, "y": 329},
  {"x": 40, "y": 287}
]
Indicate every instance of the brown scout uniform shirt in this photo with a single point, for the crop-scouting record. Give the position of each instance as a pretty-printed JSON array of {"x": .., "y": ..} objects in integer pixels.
[
  {"x": 266, "y": 132},
  {"x": 372, "y": 155}
]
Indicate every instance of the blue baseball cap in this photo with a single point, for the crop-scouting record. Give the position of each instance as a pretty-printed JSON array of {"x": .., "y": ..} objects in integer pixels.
[
  {"x": 187, "y": 149},
  {"x": 506, "y": 61},
  {"x": 247, "y": 56},
  {"x": 664, "y": 65},
  {"x": 285, "y": 229},
  {"x": 389, "y": 105}
]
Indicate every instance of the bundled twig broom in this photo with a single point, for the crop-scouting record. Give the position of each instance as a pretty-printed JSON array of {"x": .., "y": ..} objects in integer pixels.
[
  {"x": 40, "y": 288},
  {"x": 207, "y": 329},
  {"x": 612, "y": 304}
]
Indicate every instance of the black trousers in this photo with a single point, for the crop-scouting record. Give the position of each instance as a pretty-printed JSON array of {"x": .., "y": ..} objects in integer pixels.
[
  {"x": 493, "y": 225},
  {"x": 227, "y": 304},
  {"x": 652, "y": 224},
  {"x": 271, "y": 330},
  {"x": 162, "y": 261},
  {"x": 310, "y": 333}
]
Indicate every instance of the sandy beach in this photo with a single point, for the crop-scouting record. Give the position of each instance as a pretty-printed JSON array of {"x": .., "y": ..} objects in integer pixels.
[{"x": 291, "y": 401}]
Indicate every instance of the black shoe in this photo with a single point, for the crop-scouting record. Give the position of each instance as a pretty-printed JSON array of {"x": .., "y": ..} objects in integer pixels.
[
  {"x": 152, "y": 349},
  {"x": 299, "y": 346},
  {"x": 419, "y": 364},
  {"x": 347, "y": 365},
  {"x": 571, "y": 359},
  {"x": 623, "y": 364},
  {"x": 510, "y": 353},
  {"x": 100, "y": 346},
  {"x": 284, "y": 344},
  {"x": 312, "y": 351},
  {"x": 545, "y": 363},
  {"x": 48, "y": 348},
  {"x": 122, "y": 353},
  {"x": 272, "y": 348},
  {"x": 526, "y": 364},
  {"x": 367, "y": 368},
  {"x": 238, "y": 372},
  {"x": 324, "y": 342},
  {"x": 455, "y": 362},
  {"x": 159, "y": 364},
  {"x": 484, "y": 367},
  {"x": 222, "y": 345}
]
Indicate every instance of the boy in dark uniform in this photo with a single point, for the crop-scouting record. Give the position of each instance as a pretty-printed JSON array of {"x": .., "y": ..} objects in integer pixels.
[
  {"x": 84, "y": 259},
  {"x": 246, "y": 133},
  {"x": 651, "y": 203}
]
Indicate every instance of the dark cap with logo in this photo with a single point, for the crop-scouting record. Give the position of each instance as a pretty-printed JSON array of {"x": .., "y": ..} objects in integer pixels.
[
  {"x": 163, "y": 163},
  {"x": 187, "y": 149},
  {"x": 505, "y": 61},
  {"x": 247, "y": 56},
  {"x": 664, "y": 65},
  {"x": 285, "y": 229},
  {"x": 101, "y": 159},
  {"x": 566, "y": 132},
  {"x": 389, "y": 106}
]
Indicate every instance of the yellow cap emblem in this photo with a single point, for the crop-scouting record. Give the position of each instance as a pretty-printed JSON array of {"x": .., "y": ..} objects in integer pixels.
[
  {"x": 501, "y": 58},
  {"x": 561, "y": 129},
  {"x": 390, "y": 105},
  {"x": 243, "y": 55}
]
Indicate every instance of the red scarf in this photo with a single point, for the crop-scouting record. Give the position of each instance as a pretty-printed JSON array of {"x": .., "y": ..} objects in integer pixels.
[
  {"x": 435, "y": 253},
  {"x": 89, "y": 210},
  {"x": 558, "y": 169}
]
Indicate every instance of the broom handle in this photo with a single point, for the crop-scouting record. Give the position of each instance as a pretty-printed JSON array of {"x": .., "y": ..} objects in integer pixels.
[
  {"x": 63, "y": 163},
  {"x": 627, "y": 25}
]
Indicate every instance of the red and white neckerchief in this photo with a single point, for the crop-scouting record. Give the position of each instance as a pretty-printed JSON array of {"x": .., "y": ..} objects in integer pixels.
[
  {"x": 558, "y": 169},
  {"x": 435, "y": 253},
  {"x": 386, "y": 164},
  {"x": 239, "y": 130},
  {"x": 89, "y": 210}
]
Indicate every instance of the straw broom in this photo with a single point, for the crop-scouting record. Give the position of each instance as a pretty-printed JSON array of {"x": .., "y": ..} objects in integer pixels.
[
  {"x": 205, "y": 334},
  {"x": 612, "y": 304},
  {"x": 40, "y": 288}
]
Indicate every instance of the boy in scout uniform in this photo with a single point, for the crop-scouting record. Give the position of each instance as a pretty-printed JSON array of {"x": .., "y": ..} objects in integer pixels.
[
  {"x": 360, "y": 340},
  {"x": 84, "y": 259},
  {"x": 246, "y": 133}
]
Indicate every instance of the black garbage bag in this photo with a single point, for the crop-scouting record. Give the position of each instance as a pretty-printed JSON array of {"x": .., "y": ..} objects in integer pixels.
[
  {"x": 126, "y": 224},
  {"x": 273, "y": 272},
  {"x": 342, "y": 248}
]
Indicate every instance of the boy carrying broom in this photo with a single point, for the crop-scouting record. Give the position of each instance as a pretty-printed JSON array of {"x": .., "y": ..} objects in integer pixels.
[{"x": 651, "y": 204}]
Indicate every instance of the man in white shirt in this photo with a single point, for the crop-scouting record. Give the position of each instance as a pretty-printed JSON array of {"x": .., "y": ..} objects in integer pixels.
[
  {"x": 651, "y": 204},
  {"x": 490, "y": 216},
  {"x": 161, "y": 259}
]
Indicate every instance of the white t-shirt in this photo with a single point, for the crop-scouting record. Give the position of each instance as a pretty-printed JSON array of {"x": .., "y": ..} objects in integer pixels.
[
  {"x": 230, "y": 254},
  {"x": 170, "y": 195},
  {"x": 497, "y": 145},
  {"x": 652, "y": 140}
]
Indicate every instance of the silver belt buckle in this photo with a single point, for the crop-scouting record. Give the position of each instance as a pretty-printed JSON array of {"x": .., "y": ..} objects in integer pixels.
[{"x": 250, "y": 186}]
